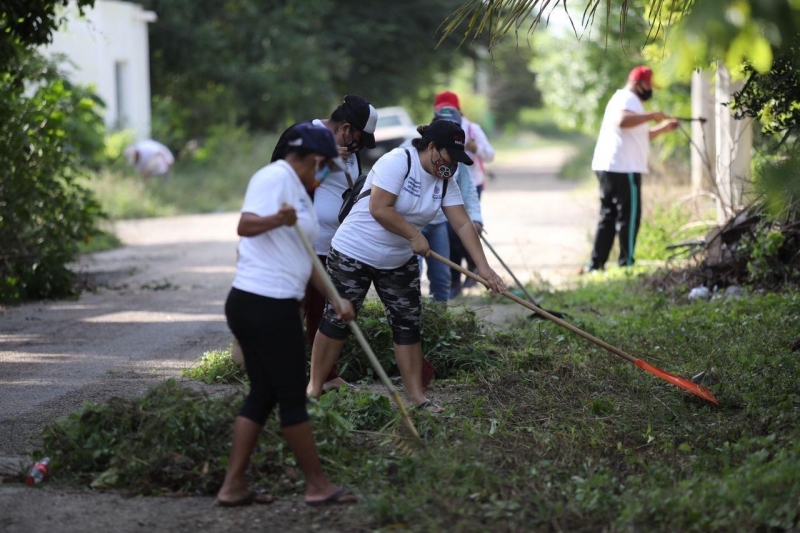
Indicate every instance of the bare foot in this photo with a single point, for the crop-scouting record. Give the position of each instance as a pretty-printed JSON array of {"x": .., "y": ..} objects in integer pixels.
[{"x": 234, "y": 494}]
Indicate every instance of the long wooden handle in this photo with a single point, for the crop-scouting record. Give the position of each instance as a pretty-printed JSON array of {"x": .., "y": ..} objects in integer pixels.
[
  {"x": 538, "y": 310},
  {"x": 320, "y": 268},
  {"x": 520, "y": 285}
]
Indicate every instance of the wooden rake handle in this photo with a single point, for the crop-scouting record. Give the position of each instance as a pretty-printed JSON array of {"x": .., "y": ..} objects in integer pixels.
[
  {"x": 362, "y": 341},
  {"x": 538, "y": 310}
]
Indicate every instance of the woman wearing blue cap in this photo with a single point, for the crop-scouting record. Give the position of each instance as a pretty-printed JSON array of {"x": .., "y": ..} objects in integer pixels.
[{"x": 263, "y": 312}]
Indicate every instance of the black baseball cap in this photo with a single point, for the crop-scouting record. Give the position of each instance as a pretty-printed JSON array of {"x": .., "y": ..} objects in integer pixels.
[
  {"x": 360, "y": 114},
  {"x": 450, "y": 136}
]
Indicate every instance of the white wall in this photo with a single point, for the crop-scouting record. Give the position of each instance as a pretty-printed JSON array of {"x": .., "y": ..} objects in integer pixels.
[{"x": 110, "y": 37}]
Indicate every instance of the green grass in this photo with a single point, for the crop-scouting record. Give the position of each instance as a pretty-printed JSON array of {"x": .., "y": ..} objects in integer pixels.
[
  {"x": 579, "y": 167},
  {"x": 100, "y": 242},
  {"x": 216, "y": 366},
  {"x": 209, "y": 179},
  {"x": 554, "y": 434}
]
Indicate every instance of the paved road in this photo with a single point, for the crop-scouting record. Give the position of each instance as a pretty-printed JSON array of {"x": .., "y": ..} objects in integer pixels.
[{"x": 161, "y": 305}]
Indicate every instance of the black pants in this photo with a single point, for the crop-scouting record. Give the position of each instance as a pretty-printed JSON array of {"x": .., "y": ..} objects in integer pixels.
[
  {"x": 270, "y": 333},
  {"x": 620, "y": 213}
]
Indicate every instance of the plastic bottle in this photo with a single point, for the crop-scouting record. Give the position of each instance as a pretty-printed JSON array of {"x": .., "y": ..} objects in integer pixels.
[{"x": 39, "y": 472}]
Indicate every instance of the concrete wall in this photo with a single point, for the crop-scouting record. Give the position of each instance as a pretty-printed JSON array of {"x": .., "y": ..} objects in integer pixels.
[{"x": 108, "y": 49}]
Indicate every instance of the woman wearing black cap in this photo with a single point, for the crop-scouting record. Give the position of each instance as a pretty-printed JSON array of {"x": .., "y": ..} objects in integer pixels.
[
  {"x": 377, "y": 242},
  {"x": 353, "y": 126},
  {"x": 262, "y": 310}
]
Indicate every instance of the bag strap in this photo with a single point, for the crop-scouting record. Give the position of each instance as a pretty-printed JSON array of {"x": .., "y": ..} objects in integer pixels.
[{"x": 408, "y": 171}]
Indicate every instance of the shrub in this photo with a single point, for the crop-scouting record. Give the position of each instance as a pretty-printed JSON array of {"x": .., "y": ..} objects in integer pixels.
[{"x": 45, "y": 210}]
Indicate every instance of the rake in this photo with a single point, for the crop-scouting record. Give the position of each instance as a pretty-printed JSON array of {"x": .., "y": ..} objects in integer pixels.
[
  {"x": 519, "y": 284},
  {"x": 359, "y": 335},
  {"x": 685, "y": 384}
]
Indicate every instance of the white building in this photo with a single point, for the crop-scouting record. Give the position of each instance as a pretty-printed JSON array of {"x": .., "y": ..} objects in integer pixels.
[{"x": 108, "y": 49}]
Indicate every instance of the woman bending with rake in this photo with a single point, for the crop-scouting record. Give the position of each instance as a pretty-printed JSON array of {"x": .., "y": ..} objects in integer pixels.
[{"x": 377, "y": 242}]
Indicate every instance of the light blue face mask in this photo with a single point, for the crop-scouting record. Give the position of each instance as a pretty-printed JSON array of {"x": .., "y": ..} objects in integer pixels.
[{"x": 323, "y": 173}]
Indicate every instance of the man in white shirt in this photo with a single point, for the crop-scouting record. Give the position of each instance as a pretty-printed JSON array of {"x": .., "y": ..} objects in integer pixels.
[
  {"x": 620, "y": 159},
  {"x": 150, "y": 158}
]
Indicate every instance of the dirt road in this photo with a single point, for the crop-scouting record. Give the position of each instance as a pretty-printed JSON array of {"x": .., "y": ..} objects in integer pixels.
[{"x": 160, "y": 306}]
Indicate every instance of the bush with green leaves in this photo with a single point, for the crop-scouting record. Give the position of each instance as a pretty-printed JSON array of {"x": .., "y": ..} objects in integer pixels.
[{"x": 47, "y": 136}]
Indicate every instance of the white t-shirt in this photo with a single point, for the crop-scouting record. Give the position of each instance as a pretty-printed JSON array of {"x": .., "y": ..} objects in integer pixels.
[
  {"x": 154, "y": 158},
  {"x": 328, "y": 202},
  {"x": 419, "y": 198},
  {"x": 275, "y": 263},
  {"x": 622, "y": 149}
]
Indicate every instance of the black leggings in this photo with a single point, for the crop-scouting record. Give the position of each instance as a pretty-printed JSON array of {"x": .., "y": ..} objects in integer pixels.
[{"x": 270, "y": 333}]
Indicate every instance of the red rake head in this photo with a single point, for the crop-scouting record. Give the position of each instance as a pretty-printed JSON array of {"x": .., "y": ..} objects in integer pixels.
[{"x": 685, "y": 384}]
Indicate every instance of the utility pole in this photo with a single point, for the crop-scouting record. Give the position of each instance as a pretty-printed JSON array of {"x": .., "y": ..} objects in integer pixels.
[{"x": 734, "y": 145}]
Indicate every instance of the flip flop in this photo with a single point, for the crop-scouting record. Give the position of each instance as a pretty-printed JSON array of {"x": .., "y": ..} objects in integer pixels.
[
  {"x": 426, "y": 405},
  {"x": 250, "y": 499},
  {"x": 350, "y": 386},
  {"x": 333, "y": 499}
]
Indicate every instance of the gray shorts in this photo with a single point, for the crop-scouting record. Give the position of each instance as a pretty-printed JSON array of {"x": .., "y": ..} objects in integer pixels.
[{"x": 397, "y": 288}]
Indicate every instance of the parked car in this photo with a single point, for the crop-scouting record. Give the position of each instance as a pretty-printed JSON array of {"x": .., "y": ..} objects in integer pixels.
[{"x": 393, "y": 128}]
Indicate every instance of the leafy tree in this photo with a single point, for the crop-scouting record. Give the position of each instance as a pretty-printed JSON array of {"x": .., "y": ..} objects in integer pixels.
[
  {"x": 28, "y": 23},
  {"x": 729, "y": 30},
  {"x": 47, "y": 133},
  {"x": 774, "y": 96},
  {"x": 513, "y": 84},
  {"x": 578, "y": 77},
  {"x": 269, "y": 63}
]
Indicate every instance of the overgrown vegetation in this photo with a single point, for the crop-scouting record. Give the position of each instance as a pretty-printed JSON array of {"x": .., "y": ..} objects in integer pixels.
[
  {"x": 454, "y": 341},
  {"x": 217, "y": 366},
  {"x": 212, "y": 177},
  {"x": 555, "y": 434},
  {"x": 47, "y": 137}
]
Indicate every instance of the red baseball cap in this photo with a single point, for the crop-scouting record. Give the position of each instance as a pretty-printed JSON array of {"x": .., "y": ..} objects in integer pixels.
[
  {"x": 446, "y": 98},
  {"x": 641, "y": 73}
]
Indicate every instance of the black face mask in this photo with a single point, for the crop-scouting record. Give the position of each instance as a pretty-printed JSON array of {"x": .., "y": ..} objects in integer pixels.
[
  {"x": 353, "y": 146},
  {"x": 644, "y": 94}
]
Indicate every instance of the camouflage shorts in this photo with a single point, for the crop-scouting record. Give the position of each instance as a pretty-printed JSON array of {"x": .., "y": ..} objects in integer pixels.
[{"x": 398, "y": 289}]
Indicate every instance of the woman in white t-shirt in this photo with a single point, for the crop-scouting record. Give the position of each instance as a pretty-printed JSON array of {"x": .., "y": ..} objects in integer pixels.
[
  {"x": 263, "y": 312},
  {"x": 377, "y": 242}
]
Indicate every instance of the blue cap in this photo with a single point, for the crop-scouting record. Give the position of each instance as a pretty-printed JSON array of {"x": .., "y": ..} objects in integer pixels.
[
  {"x": 447, "y": 113},
  {"x": 318, "y": 139}
]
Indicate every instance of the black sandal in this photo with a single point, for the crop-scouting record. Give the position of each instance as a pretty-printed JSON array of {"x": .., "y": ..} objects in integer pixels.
[
  {"x": 427, "y": 404},
  {"x": 250, "y": 499},
  {"x": 334, "y": 499}
]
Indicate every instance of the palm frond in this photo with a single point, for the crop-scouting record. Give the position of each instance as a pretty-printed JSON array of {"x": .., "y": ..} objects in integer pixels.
[{"x": 495, "y": 18}]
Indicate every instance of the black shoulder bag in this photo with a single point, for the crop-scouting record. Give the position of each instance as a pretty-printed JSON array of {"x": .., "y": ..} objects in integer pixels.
[{"x": 354, "y": 193}]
